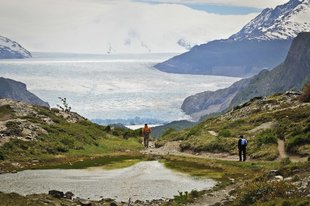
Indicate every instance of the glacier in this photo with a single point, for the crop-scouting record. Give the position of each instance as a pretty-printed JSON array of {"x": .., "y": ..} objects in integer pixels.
[{"x": 111, "y": 86}]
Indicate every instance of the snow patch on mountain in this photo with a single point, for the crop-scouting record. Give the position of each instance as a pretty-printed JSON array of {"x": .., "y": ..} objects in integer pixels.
[
  {"x": 283, "y": 22},
  {"x": 11, "y": 49}
]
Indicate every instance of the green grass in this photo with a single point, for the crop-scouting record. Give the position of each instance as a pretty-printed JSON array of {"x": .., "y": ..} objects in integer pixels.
[
  {"x": 83, "y": 138},
  {"x": 108, "y": 161},
  {"x": 109, "y": 145},
  {"x": 220, "y": 170}
]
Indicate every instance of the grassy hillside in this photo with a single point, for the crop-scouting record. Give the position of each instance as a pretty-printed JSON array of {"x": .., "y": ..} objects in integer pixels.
[
  {"x": 262, "y": 120},
  {"x": 36, "y": 133}
]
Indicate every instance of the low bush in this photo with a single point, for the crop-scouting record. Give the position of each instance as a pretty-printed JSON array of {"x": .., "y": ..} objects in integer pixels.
[
  {"x": 296, "y": 141},
  {"x": 2, "y": 157},
  {"x": 266, "y": 137},
  {"x": 259, "y": 192},
  {"x": 186, "y": 197},
  {"x": 225, "y": 133},
  {"x": 194, "y": 131}
]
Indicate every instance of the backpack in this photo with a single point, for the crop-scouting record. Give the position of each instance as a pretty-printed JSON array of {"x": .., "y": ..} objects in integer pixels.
[{"x": 244, "y": 142}]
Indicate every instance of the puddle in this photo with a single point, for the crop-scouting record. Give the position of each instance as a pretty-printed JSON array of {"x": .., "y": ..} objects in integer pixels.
[{"x": 143, "y": 181}]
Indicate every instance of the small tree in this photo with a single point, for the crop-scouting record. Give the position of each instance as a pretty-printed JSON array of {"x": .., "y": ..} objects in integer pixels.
[
  {"x": 305, "y": 97},
  {"x": 65, "y": 106}
]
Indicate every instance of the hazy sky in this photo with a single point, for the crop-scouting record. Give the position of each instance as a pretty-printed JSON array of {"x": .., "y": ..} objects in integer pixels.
[{"x": 122, "y": 26}]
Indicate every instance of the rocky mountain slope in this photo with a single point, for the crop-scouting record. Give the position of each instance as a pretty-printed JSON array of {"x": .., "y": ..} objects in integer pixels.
[
  {"x": 209, "y": 102},
  {"x": 12, "y": 50},
  {"x": 261, "y": 44},
  {"x": 12, "y": 89},
  {"x": 293, "y": 73}
]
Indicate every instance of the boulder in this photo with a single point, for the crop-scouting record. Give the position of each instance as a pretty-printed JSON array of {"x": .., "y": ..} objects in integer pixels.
[
  {"x": 56, "y": 194},
  {"x": 273, "y": 173},
  {"x": 69, "y": 195}
]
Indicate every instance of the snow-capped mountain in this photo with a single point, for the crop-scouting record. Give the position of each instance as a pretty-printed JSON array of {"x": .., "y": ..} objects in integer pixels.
[
  {"x": 283, "y": 22},
  {"x": 261, "y": 44},
  {"x": 10, "y": 49}
]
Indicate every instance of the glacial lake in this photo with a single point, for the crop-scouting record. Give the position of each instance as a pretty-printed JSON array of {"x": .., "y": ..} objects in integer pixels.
[{"x": 143, "y": 181}]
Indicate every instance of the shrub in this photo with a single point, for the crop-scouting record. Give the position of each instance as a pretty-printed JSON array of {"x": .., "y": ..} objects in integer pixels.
[
  {"x": 281, "y": 128},
  {"x": 296, "y": 141},
  {"x": 194, "y": 131},
  {"x": 168, "y": 131},
  {"x": 305, "y": 97},
  {"x": 265, "y": 191},
  {"x": 285, "y": 161},
  {"x": 268, "y": 152},
  {"x": 266, "y": 137},
  {"x": 1, "y": 155},
  {"x": 186, "y": 197},
  {"x": 225, "y": 133},
  {"x": 68, "y": 141}
]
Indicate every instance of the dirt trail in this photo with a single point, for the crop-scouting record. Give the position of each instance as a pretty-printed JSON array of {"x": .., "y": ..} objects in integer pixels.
[
  {"x": 173, "y": 148},
  {"x": 283, "y": 154},
  {"x": 281, "y": 148}
]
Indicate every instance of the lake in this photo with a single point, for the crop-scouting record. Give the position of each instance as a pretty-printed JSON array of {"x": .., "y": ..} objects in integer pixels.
[{"x": 111, "y": 86}]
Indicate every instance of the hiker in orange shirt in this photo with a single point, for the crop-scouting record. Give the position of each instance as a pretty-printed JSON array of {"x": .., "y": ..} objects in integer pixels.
[{"x": 146, "y": 132}]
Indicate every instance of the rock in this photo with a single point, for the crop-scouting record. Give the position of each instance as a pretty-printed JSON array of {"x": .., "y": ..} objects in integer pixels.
[
  {"x": 288, "y": 179},
  {"x": 273, "y": 173},
  {"x": 113, "y": 204},
  {"x": 85, "y": 203},
  {"x": 279, "y": 178},
  {"x": 69, "y": 195},
  {"x": 56, "y": 110},
  {"x": 232, "y": 180},
  {"x": 15, "y": 164},
  {"x": 56, "y": 194},
  {"x": 139, "y": 202}
]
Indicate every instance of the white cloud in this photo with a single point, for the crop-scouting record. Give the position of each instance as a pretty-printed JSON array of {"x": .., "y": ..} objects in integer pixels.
[
  {"x": 244, "y": 3},
  {"x": 92, "y": 26}
]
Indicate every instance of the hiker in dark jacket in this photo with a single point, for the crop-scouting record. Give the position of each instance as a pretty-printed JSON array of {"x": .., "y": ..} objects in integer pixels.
[{"x": 242, "y": 143}]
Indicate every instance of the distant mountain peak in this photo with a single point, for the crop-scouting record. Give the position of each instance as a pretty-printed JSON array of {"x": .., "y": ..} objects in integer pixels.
[
  {"x": 12, "y": 50},
  {"x": 283, "y": 22}
]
